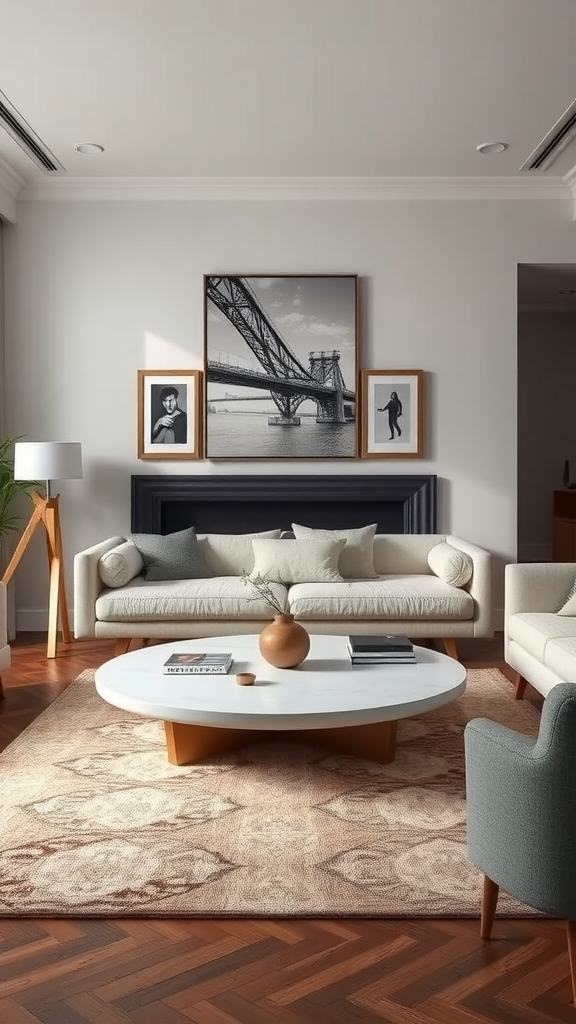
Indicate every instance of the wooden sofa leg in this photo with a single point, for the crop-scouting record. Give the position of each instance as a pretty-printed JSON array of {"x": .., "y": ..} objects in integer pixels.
[
  {"x": 2, "y": 694},
  {"x": 121, "y": 647},
  {"x": 571, "y": 932},
  {"x": 488, "y": 909},
  {"x": 520, "y": 685},
  {"x": 450, "y": 647}
]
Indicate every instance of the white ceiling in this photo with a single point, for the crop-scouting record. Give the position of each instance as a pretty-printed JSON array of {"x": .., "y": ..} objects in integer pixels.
[{"x": 244, "y": 88}]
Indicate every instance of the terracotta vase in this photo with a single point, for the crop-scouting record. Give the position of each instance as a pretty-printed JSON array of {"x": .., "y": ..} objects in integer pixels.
[{"x": 284, "y": 643}]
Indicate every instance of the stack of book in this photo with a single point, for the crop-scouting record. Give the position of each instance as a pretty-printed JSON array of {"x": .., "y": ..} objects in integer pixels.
[
  {"x": 381, "y": 650},
  {"x": 197, "y": 664}
]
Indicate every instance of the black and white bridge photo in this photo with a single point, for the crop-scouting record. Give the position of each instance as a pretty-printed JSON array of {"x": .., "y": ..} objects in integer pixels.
[{"x": 281, "y": 366}]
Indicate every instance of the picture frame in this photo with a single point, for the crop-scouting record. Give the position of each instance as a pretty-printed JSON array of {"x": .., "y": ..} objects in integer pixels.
[
  {"x": 296, "y": 331},
  {"x": 169, "y": 414},
  {"x": 392, "y": 414}
]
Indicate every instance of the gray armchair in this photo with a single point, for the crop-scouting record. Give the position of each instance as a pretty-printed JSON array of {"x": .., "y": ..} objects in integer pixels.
[{"x": 521, "y": 807}]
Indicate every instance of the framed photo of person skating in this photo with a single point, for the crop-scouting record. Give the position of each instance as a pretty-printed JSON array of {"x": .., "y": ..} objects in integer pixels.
[
  {"x": 392, "y": 414},
  {"x": 169, "y": 414},
  {"x": 280, "y": 366}
]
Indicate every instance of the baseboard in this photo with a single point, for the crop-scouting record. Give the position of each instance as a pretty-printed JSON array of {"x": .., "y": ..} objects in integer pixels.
[{"x": 35, "y": 620}]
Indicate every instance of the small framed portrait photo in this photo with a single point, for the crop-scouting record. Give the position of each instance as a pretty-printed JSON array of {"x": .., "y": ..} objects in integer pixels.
[
  {"x": 392, "y": 414},
  {"x": 169, "y": 414}
]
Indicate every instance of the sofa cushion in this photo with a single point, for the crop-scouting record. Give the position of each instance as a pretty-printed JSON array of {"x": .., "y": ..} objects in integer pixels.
[
  {"x": 534, "y": 630},
  {"x": 221, "y": 597},
  {"x": 389, "y": 597},
  {"x": 560, "y": 656},
  {"x": 569, "y": 606},
  {"x": 120, "y": 565},
  {"x": 357, "y": 558},
  {"x": 173, "y": 556},
  {"x": 230, "y": 554},
  {"x": 298, "y": 561},
  {"x": 450, "y": 565}
]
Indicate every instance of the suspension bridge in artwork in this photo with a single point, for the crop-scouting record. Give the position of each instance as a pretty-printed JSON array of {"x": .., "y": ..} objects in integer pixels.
[{"x": 283, "y": 376}]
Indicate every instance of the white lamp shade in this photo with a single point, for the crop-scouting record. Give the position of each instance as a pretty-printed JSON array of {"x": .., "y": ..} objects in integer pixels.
[{"x": 47, "y": 460}]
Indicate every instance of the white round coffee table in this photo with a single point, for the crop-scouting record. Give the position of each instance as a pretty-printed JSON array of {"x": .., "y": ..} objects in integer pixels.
[{"x": 326, "y": 700}]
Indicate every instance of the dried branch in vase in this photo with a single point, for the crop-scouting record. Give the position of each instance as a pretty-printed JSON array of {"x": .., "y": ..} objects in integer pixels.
[{"x": 264, "y": 590}]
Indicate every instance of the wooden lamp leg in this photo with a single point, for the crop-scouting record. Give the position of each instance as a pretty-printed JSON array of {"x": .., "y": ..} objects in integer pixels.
[
  {"x": 57, "y": 601},
  {"x": 46, "y": 511}
]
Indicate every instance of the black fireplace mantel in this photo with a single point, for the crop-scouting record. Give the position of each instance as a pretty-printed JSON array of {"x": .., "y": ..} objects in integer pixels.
[{"x": 240, "y": 504}]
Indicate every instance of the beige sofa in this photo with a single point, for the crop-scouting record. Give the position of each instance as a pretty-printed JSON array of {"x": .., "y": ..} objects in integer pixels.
[
  {"x": 404, "y": 597},
  {"x": 539, "y": 643}
]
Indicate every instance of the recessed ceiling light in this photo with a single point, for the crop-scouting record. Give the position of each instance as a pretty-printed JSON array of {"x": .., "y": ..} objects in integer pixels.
[
  {"x": 88, "y": 148},
  {"x": 489, "y": 148}
]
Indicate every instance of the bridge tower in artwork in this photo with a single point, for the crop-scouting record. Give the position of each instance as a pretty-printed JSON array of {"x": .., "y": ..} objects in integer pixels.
[{"x": 325, "y": 368}]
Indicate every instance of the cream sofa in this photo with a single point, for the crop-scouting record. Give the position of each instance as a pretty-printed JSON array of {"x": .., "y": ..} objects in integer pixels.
[
  {"x": 405, "y": 597},
  {"x": 539, "y": 643}
]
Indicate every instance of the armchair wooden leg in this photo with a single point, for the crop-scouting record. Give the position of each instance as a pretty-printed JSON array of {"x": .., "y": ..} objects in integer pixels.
[
  {"x": 121, "y": 647},
  {"x": 488, "y": 909},
  {"x": 2, "y": 694},
  {"x": 450, "y": 647},
  {"x": 571, "y": 931},
  {"x": 520, "y": 685}
]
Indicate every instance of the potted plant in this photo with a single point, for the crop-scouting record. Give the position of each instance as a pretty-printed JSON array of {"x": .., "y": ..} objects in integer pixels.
[
  {"x": 283, "y": 643},
  {"x": 10, "y": 488}
]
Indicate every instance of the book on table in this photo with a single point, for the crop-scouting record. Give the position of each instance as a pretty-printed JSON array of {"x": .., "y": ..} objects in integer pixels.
[
  {"x": 379, "y": 644},
  {"x": 384, "y": 661},
  {"x": 186, "y": 663}
]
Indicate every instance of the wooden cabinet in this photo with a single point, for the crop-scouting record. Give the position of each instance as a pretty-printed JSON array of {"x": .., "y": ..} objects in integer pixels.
[{"x": 564, "y": 526}]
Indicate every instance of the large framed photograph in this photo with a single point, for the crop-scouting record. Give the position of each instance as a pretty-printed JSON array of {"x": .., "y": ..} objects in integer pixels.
[
  {"x": 392, "y": 414},
  {"x": 169, "y": 414},
  {"x": 281, "y": 366}
]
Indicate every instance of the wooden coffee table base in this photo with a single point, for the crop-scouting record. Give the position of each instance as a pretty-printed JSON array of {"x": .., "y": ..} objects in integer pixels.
[{"x": 191, "y": 744}]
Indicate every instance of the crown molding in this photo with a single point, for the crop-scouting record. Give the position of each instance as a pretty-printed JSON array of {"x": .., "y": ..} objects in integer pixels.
[
  {"x": 570, "y": 180},
  {"x": 11, "y": 185},
  {"x": 331, "y": 189},
  {"x": 10, "y": 179}
]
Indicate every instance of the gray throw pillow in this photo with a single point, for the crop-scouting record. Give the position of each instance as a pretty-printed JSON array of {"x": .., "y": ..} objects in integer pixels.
[{"x": 175, "y": 556}]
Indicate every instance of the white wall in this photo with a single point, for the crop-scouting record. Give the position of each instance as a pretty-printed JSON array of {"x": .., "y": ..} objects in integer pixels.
[
  {"x": 546, "y": 423},
  {"x": 97, "y": 290}
]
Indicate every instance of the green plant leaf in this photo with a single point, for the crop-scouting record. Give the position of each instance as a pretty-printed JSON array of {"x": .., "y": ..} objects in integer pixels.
[{"x": 9, "y": 487}]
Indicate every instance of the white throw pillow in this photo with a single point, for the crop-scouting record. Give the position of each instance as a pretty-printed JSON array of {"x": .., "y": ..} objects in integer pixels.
[
  {"x": 120, "y": 565},
  {"x": 569, "y": 606},
  {"x": 450, "y": 565},
  {"x": 230, "y": 554},
  {"x": 357, "y": 558},
  {"x": 298, "y": 561}
]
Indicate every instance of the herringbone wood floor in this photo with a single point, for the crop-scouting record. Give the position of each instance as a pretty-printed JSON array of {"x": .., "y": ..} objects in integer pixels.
[{"x": 255, "y": 972}]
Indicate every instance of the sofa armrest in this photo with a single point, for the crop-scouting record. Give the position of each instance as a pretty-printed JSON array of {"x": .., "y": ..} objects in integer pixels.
[
  {"x": 88, "y": 585},
  {"x": 536, "y": 586},
  {"x": 480, "y": 586}
]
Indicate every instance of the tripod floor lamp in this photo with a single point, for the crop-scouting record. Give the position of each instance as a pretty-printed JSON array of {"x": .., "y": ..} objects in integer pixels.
[{"x": 47, "y": 460}]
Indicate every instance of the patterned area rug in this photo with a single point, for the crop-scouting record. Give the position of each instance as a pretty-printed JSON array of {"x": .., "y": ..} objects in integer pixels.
[{"x": 96, "y": 822}]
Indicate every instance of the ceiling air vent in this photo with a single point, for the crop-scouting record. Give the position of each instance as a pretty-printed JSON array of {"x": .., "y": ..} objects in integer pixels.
[
  {"x": 553, "y": 143},
  {"x": 28, "y": 141}
]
